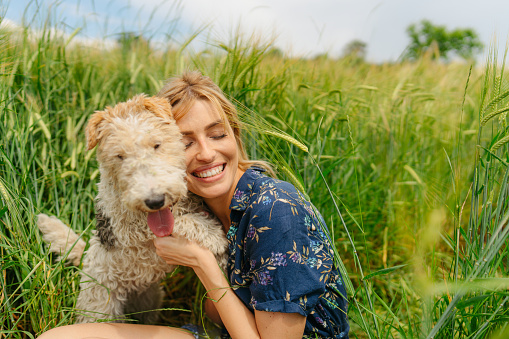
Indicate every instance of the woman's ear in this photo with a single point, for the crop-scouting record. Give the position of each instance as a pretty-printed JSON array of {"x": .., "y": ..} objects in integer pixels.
[{"x": 93, "y": 128}]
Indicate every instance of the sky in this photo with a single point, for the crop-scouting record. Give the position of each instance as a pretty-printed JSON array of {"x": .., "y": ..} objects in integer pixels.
[{"x": 299, "y": 27}]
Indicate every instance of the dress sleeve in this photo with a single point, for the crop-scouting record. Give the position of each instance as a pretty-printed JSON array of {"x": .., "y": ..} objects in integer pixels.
[{"x": 288, "y": 257}]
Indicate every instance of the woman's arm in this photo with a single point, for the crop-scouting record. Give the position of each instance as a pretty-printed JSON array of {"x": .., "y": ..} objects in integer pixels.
[
  {"x": 236, "y": 317},
  {"x": 211, "y": 311},
  {"x": 280, "y": 325}
]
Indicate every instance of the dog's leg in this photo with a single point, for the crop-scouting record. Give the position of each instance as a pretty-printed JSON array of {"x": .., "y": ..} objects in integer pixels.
[
  {"x": 96, "y": 302},
  {"x": 102, "y": 295},
  {"x": 207, "y": 232},
  {"x": 150, "y": 299}
]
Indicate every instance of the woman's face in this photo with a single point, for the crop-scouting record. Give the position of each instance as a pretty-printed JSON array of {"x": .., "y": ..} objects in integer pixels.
[{"x": 211, "y": 152}]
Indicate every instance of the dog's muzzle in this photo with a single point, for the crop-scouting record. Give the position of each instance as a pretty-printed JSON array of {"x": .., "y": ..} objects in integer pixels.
[{"x": 155, "y": 203}]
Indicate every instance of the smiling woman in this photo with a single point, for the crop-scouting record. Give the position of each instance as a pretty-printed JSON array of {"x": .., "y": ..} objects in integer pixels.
[{"x": 266, "y": 220}]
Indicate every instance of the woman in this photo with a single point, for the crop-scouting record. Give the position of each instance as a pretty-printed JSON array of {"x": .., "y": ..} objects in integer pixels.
[{"x": 283, "y": 281}]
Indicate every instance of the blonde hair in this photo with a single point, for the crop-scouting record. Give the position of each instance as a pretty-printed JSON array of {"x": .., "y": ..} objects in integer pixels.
[{"x": 183, "y": 91}]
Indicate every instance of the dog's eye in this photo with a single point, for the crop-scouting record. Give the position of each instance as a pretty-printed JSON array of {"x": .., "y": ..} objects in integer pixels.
[
  {"x": 121, "y": 157},
  {"x": 156, "y": 146}
]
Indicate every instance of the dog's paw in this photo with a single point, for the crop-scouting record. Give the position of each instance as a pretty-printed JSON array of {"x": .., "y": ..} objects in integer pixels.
[
  {"x": 49, "y": 224},
  {"x": 53, "y": 230},
  {"x": 42, "y": 219},
  {"x": 61, "y": 238}
]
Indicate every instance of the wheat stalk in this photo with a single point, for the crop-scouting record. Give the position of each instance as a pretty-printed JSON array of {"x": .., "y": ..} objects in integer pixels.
[
  {"x": 288, "y": 138},
  {"x": 493, "y": 114},
  {"x": 499, "y": 144}
]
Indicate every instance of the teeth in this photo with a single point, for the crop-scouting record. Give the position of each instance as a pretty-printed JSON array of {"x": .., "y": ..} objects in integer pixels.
[{"x": 210, "y": 173}]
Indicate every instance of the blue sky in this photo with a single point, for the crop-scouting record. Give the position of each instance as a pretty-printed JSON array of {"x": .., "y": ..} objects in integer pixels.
[{"x": 302, "y": 27}]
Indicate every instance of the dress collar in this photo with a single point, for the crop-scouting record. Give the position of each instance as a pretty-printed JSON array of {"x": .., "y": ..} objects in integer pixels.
[{"x": 244, "y": 188}]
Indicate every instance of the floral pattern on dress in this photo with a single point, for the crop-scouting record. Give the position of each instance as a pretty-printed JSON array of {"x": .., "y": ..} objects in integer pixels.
[{"x": 281, "y": 259}]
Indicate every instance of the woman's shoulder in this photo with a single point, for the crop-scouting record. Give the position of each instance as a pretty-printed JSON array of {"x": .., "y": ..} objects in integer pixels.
[
  {"x": 264, "y": 198},
  {"x": 273, "y": 198},
  {"x": 263, "y": 184}
]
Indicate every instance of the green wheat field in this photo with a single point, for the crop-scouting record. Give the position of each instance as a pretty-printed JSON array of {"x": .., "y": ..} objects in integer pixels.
[{"x": 407, "y": 162}]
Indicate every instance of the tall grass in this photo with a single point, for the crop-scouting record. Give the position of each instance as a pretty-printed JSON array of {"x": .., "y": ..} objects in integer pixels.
[{"x": 407, "y": 162}]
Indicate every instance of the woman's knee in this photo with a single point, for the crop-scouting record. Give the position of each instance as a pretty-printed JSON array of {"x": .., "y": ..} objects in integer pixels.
[
  {"x": 60, "y": 332},
  {"x": 112, "y": 330}
]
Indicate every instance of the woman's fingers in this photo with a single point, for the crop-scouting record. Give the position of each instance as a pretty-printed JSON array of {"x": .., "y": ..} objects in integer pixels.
[
  {"x": 177, "y": 250},
  {"x": 168, "y": 247}
]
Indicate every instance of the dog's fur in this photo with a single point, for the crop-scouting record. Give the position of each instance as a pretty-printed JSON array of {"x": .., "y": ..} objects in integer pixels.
[{"x": 141, "y": 156}]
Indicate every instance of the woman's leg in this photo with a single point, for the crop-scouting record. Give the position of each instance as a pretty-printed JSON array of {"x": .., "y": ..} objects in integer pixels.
[{"x": 110, "y": 331}]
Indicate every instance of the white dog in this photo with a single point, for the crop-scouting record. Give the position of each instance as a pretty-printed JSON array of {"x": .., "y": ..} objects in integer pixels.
[{"x": 142, "y": 194}]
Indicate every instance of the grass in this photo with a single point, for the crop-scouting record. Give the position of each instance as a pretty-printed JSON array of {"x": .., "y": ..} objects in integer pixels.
[{"x": 403, "y": 160}]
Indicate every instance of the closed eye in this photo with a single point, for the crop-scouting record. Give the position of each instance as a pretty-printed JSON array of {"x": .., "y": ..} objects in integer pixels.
[{"x": 188, "y": 143}]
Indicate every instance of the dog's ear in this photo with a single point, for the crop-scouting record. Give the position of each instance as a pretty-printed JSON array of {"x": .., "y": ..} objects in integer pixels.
[
  {"x": 92, "y": 130},
  {"x": 159, "y": 106}
]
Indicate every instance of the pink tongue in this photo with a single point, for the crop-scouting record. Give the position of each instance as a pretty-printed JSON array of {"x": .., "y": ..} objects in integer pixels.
[{"x": 161, "y": 222}]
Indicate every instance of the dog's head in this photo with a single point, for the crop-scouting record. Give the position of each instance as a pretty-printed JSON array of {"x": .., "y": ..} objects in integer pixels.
[{"x": 140, "y": 152}]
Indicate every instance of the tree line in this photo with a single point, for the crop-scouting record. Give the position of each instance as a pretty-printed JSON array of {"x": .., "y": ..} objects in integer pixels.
[{"x": 428, "y": 38}]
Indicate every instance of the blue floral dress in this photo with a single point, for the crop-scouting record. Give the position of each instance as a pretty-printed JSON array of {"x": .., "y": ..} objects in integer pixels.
[{"x": 280, "y": 258}]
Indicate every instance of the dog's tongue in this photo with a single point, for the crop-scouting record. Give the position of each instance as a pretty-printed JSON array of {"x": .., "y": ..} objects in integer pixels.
[{"x": 161, "y": 222}]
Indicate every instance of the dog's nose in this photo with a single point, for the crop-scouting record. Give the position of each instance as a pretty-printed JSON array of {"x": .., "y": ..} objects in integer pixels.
[{"x": 155, "y": 203}]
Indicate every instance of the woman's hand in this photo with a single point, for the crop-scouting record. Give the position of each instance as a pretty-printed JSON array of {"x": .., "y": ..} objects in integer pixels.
[{"x": 176, "y": 250}]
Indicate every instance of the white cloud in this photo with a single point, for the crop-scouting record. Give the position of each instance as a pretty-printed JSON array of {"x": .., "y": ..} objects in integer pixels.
[
  {"x": 9, "y": 25},
  {"x": 56, "y": 33},
  {"x": 304, "y": 27}
]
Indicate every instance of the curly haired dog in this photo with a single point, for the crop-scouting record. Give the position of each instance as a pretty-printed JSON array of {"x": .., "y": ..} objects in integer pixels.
[{"x": 142, "y": 194}]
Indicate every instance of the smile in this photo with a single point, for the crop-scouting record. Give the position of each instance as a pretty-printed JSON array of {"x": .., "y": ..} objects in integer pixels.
[{"x": 211, "y": 172}]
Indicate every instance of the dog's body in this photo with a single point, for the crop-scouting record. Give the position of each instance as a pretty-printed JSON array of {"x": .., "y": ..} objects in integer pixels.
[{"x": 142, "y": 165}]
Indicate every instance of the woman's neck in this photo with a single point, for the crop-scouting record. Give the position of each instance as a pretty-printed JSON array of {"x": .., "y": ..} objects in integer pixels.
[{"x": 220, "y": 206}]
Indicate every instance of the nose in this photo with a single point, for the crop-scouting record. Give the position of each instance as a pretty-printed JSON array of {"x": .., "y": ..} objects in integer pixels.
[
  {"x": 205, "y": 152},
  {"x": 155, "y": 202}
]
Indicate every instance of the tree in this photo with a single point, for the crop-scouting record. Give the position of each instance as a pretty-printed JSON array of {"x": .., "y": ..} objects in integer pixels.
[
  {"x": 129, "y": 40},
  {"x": 355, "y": 49},
  {"x": 427, "y": 37}
]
